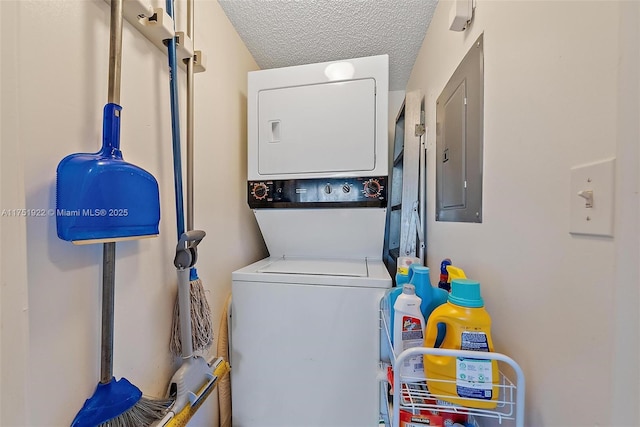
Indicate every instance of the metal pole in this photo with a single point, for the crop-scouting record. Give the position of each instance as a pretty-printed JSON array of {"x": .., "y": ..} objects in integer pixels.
[
  {"x": 109, "y": 249},
  {"x": 115, "y": 51},
  {"x": 423, "y": 199},
  {"x": 108, "y": 298}
]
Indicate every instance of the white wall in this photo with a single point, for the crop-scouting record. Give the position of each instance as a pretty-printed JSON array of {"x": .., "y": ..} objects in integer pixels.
[
  {"x": 54, "y": 84},
  {"x": 626, "y": 373},
  {"x": 14, "y": 320},
  {"x": 556, "y": 96}
]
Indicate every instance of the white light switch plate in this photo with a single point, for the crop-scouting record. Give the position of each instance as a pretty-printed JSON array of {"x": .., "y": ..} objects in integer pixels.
[{"x": 599, "y": 179}]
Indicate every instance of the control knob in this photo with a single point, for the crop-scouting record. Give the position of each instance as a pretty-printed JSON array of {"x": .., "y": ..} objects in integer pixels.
[
  {"x": 260, "y": 191},
  {"x": 372, "y": 188}
]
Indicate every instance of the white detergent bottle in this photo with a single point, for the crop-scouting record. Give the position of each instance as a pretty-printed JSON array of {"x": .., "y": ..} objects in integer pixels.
[{"x": 408, "y": 331}]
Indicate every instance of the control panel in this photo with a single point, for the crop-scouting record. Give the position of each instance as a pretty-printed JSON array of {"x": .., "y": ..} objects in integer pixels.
[{"x": 319, "y": 193}]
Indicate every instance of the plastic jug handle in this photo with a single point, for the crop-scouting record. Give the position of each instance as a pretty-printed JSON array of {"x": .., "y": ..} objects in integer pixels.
[
  {"x": 431, "y": 330},
  {"x": 431, "y": 334},
  {"x": 410, "y": 273}
]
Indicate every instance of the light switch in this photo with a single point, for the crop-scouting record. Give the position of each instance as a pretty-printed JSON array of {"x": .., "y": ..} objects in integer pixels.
[{"x": 591, "y": 198}]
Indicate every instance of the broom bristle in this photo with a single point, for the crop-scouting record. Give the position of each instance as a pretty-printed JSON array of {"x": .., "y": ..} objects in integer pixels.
[
  {"x": 201, "y": 326},
  {"x": 143, "y": 414}
]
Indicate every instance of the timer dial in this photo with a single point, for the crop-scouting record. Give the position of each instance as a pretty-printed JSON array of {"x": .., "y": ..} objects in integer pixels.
[
  {"x": 260, "y": 191},
  {"x": 372, "y": 188}
]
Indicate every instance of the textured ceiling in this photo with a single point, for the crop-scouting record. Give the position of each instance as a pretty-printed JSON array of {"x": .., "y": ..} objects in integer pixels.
[{"x": 281, "y": 33}]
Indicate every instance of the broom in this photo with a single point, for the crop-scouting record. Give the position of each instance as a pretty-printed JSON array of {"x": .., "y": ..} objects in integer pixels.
[
  {"x": 115, "y": 402},
  {"x": 201, "y": 325}
]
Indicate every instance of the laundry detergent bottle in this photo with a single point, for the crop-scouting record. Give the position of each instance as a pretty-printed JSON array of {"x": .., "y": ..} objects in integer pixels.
[
  {"x": 408, "y": 332},
  {"x": 404, "y": 273},
  {"x": 431, "y": 297},
  {"x": 404, "y": 269},
  {"x": 468, "y": 382}
]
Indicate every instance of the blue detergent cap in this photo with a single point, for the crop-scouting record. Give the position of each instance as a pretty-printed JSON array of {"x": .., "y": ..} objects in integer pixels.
[
  {"x": 443, "y": 265},
  {"x": 466, "y": 293}
]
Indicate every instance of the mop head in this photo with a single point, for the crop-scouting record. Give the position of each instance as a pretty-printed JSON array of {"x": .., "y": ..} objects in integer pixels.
[
  {"x": 119, "y": 403},
  {"x": 201, "y": 326}
]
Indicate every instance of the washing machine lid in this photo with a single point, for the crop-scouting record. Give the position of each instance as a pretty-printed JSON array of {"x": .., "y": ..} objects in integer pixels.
[
  {"x": 339, "y": 267},
  {"x": 362, "y": 272}
]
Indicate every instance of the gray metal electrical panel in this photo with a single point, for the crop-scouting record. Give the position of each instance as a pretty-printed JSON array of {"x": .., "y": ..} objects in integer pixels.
[{"x": 459, "y": 140}]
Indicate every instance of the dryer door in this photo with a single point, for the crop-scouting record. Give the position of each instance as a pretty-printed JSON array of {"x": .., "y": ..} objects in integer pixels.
[{"x": 318, "y": 128}]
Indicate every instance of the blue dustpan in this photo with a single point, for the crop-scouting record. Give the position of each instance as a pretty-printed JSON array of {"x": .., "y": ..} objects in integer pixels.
[
  {"x": 109, "y": 401},
  {"x": 100, "y": 197}
]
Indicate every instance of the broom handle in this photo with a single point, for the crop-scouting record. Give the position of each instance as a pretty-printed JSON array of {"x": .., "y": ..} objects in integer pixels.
[
  {"x": 175, "y": 126},
  {"x": 115, "y": 51},
  {"x": 109, "y": 249},
  {"x": 108, "y": 299},
  {"x": 190, "y": 120}
]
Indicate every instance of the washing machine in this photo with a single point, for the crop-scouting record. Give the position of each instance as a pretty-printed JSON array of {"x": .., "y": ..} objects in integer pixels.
[{"x": 304, "y": 322}]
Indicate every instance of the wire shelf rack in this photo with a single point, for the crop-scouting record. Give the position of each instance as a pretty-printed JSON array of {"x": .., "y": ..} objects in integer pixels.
[{"x": 412, "y": 394}]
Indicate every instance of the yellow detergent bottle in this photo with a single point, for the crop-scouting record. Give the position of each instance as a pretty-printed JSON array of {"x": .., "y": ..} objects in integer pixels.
[{"x": 468, "y": 382}]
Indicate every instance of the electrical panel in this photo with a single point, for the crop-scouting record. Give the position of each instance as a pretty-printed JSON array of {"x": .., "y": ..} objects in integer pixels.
[{"x": 459, "y": 141}]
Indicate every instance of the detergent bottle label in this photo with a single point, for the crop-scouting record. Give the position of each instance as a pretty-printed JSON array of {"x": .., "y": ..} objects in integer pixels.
[
  {"x": 412, "y": 336},
  {"x": 474, "y": 376},
  {"x": 475, "y": 341},
  {"x": 412, "y": 330}
]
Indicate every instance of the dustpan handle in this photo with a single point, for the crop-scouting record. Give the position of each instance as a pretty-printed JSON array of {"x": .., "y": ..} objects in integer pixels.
[{"x": 111, "y": 131}]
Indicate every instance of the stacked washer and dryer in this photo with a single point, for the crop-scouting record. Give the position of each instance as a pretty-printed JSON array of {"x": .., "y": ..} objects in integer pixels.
[{"x": 304, "y": 324}]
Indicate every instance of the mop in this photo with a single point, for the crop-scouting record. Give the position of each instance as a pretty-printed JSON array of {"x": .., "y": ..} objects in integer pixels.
[
  {"x": 115, "y": 201},
  {"x": 200, "y": 312},
  {"x": 196, "y": 378}
]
